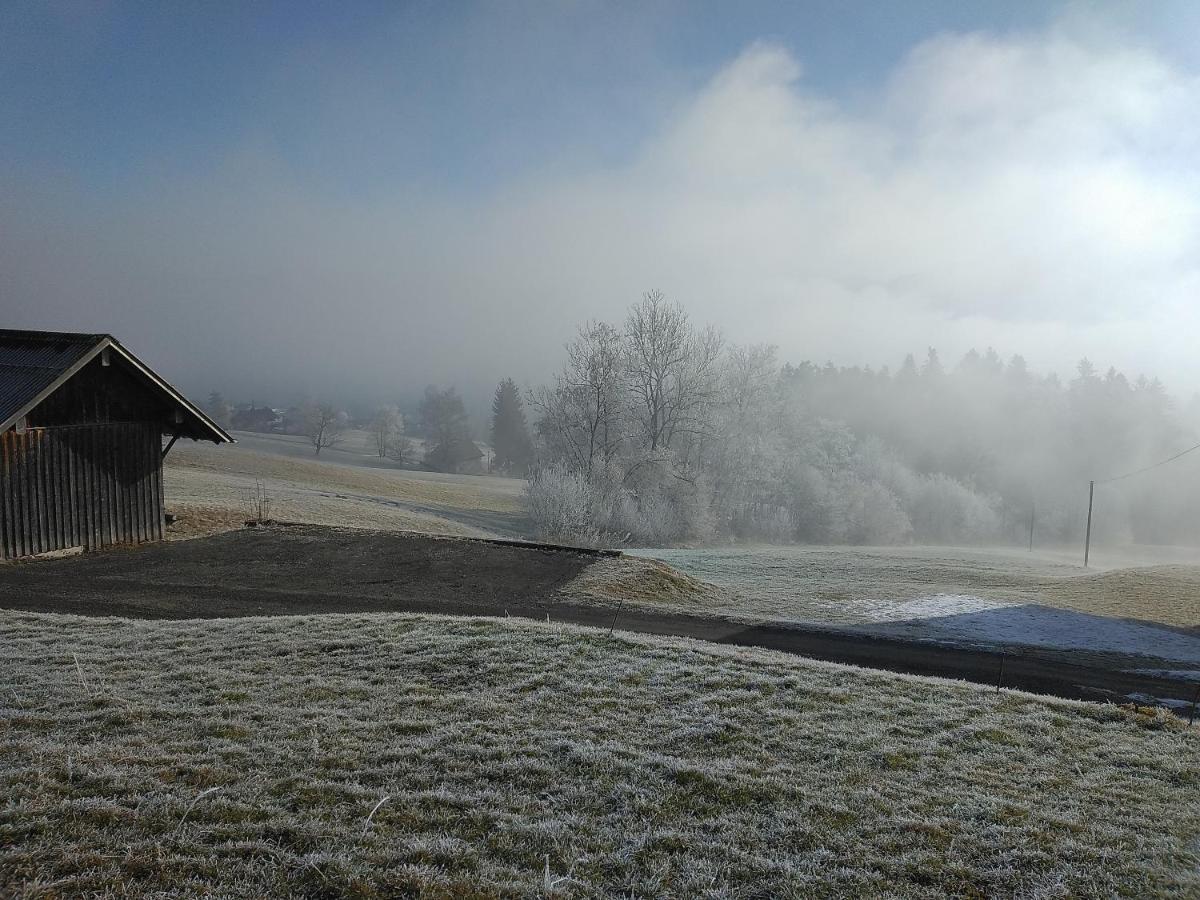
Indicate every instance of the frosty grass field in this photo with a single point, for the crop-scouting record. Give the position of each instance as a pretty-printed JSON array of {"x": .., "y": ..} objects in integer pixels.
[
  {"x": 393, "y": 754},
  {"x": 961, "y": 596},
  {"x": 209, "y": 487}
]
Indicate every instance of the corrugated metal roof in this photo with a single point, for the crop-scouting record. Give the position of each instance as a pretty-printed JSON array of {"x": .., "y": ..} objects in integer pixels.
[
  {"x": 34, "y": 362},
  {"x": 31, "y": 361}
]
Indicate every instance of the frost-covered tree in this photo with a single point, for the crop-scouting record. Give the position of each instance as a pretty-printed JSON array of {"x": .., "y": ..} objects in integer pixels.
[
  {"x": 671, "y": 372},
  {"x": 579, "y": 416},
  {"x": 679, "y": 438}
]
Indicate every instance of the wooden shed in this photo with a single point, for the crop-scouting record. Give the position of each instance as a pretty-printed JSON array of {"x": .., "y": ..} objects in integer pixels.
[{"x": 82, "y": 426}]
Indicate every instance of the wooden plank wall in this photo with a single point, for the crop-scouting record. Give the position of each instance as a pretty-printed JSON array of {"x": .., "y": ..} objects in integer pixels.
[{"x": 84, "y": 486}]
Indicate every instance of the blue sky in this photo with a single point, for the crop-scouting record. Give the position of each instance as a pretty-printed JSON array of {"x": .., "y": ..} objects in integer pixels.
[
  {"x": 407, "y": 181},
  {"x": 448, "y": 93}
]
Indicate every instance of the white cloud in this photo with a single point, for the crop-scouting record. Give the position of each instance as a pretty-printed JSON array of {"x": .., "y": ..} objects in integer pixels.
[
  {"x": 1004, "y": 191},
  {"x": 1037, "y": 193}
]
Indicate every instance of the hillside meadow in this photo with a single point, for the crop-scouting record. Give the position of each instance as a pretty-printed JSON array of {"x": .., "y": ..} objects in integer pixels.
[
  {"x": 212, "y": 489},
  {"x": 383, "y": 755}
]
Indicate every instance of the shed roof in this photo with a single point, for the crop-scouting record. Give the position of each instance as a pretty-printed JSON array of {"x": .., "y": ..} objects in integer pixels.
[{"x": 34, "y": 364}]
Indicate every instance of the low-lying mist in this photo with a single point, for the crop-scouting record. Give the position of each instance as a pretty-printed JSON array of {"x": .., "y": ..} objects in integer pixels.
[{"x": 657, "y": 432}]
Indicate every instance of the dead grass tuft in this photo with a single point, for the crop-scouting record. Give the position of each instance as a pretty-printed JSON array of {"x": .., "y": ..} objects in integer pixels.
[{"x": 195, "y": 520}]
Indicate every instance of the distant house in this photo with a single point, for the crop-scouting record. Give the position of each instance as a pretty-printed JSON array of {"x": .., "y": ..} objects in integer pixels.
[
  {"x": 82, "y": 422},
  {"x": 459, "y": 455},
  {"x": 257, "y": 418}
]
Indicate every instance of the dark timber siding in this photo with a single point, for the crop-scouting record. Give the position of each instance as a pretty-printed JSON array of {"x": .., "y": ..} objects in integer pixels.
[{"x": 84, "y": 486}]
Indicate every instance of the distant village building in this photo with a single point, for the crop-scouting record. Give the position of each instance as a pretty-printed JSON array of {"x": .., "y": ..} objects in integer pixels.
[
  {"x": 82, "y": 423},
  {"x": 461, "y": 455},
  {"x": 257, "y": 418}
]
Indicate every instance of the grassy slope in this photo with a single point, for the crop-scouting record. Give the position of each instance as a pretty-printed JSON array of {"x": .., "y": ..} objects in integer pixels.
[
  {"x": 648, "y": 766},
  {"x": 822, "y": 583},
  {"x": 205, "y": 482}
]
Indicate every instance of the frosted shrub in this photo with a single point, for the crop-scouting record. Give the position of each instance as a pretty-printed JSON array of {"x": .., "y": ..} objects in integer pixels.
[
  {"x": 945, "y": 510},
  {"x": 767, "y": 523},
  {"x": 657, "y": 508},
  {"x": 773, "y": 525},
  {"x": 809, "y": 502},
  {"x": 875, "y": 461},
  {"x": 560, "y": 503},
  {"x": 874, "y": 516},
  {"x": 613, "y": 508},
  {"x": 656, "y": 521},
  {"x": 651, "y": 505},
  {"x": 621, "y": 516},
  {"x": 672, "y": 504}
]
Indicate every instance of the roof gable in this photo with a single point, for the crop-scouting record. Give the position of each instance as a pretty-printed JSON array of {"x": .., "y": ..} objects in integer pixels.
[
  {"x": 32, "y": 361},
  {"x": 34, "y": 364}
]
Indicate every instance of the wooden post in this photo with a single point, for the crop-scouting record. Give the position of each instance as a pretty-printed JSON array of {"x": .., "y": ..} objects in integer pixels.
[
  {"x": 614, "y": 621},
  {"x": 1087, "y": 541}
]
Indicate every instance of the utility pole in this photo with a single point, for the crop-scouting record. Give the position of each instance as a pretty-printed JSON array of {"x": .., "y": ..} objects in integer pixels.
[
  {"x": 1087, "y": 541},
  {"x": 1032, "y": 514}
]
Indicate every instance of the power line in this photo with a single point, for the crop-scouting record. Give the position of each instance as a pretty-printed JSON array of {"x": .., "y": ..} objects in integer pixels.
[
  {"x": 1148, "y": 468},
  {"x": 1087, "y": 541}
]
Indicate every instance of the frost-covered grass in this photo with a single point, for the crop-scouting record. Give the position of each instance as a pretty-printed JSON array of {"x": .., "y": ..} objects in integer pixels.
[
  {"x": 855, "y": 585},
  {"x": 393, "y": 755},
  {"x": 990, "y": 598},
  {"x": 200, "y": 479}
]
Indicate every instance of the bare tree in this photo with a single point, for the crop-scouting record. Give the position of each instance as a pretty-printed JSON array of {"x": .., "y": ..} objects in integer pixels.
[
  {"x": 387, "y": 432},
  {"x": 579, "y": 416},
  {"x": 744, "y": 452},
  {"x": 400, "y": 447},
  {"x": 323, "y": 424},
  {"x": 671, "y": 371}
]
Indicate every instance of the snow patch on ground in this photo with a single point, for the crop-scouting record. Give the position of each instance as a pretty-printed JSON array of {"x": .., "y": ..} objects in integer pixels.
[
  {"x": 959, "y": 618},
  {"x": 934, "y": 606}
]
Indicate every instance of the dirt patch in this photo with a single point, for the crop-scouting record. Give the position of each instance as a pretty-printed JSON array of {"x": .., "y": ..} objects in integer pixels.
[{"x": 287, "y": 570}]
